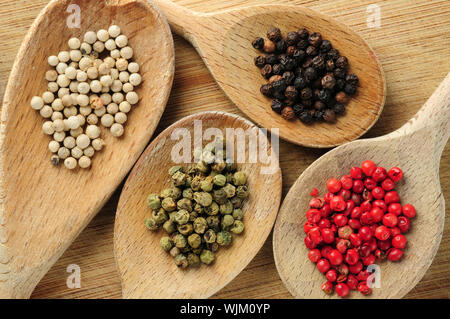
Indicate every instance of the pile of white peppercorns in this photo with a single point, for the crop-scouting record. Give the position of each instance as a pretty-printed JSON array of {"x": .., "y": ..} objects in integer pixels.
[{"x": 91, "y": 84}]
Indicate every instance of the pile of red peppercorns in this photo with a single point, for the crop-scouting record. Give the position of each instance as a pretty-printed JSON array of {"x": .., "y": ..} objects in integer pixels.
[
  {"x": 359, "y": 221},
  {"x": 307, "y": 77}
]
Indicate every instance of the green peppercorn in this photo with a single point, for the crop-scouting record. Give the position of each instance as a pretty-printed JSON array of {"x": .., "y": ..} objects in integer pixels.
[
  {"x": 213, "y": 222},
  {"x": 172, "y": 192},
  {"x": 160, "y": 216},
  {"x": 218, "y": 166},
  {"x": 238, "y": 214},
  {"x": 219, "y": 196},
  {"x": 224, "y": 238},
  {"x": 179, "y": 178},
  {"x": 175, "y": 251},
  {"x": 229, "y": 177},
  {"x": 213, "y": 174},
  {"x": 194, "y": 240},
  {"x": 207, "y": 184},
  {"x": 239, "y": 178},
  {"x": 231, "y": 167},
  {"x": 168, "y": 204},
  {"x": 188, "y": 181},
  {"x": 192, "y": 216},
  {"x": 242, "y": 192},
  {"x": 227, "y": 221},
  {"x": 169, "y": 226},
  {"x": 181, "y": 217},
  {"x": 212, "y": 209},
  {"x": 220, "y": 180},
  {"x": 207, "y": 256},
  {"x": 175, "y": 169},
  {"x": 151, "y": 224},
  {"x": 202, "y": 167},
  {"x": 185, "y": 229},
  {"x": 185, "y": 204},
  {"x": 181, "y": 261},
  {"x": 210, "y": 236},
  {"x": 227, "y": 208},
  {"x": 200, "y": 225},
  {"x": 213, "y": 247},
  {"x": 179, "y": 241},
  {"x": 238, "y": 227},
  {"x": 166, "y": 243},
  {"x": 198, "y": 250},
  {"x": 193, "y": 260},
  {"x": 153, "y": 201},
  {"x": 203, "y": 198},
  {"x": 229, "y": 190},
  {"x": 195, "y": 183},
  {"x": 188, "y": 193},
  {"x": 198, "y": 208},
  {"x": 237, "y": 202}
]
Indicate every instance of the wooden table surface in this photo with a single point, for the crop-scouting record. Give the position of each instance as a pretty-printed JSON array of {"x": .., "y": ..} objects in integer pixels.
[{"x": 413, "y": 45}]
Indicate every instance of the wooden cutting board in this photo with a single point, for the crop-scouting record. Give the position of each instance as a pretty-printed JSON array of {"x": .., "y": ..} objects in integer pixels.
[{"x": 413, "y": 45}]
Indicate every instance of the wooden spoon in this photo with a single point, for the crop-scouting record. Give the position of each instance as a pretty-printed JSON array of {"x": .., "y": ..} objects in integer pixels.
[
  {"x": 224, "y": 39},
  {"x": 43, "y": 208},
  {"x": 416, "y": 148},
  {"x": 149, "y": 272}
]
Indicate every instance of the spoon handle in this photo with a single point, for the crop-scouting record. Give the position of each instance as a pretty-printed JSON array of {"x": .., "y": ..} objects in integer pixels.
[{"x": 434, "y": 117}]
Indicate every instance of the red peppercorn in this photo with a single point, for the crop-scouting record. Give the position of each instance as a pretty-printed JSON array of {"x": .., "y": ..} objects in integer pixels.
[
  {"x": 366, "y": 206},
  {"x": 347, "y": 182},
  {"x": 331, "y": 275},
  {"x": 369, "y": 260},
  {"x": 335, "y": 257},
  {"x": 355, "y": 240},
  {"x": 372, "y": 244},
  {"x": 356, "y": 199},
  {"x": 356, "y": 268},
  {"x": 380, "y": 204},
  {"x": 395, "y": 208},
  {"x": 358, "y": 186},
  {"x": 345, "y": 232},
  {"x": 382, "y": 233},
  {"x": 324, "y": 223},
  {"x": 325, "y": 211},
  {"x": 316, "y": 235},
  {"x": 379, "y": 174},
  {"x": 384, "y": 244},
  {"x": 340, "y": 220},
  {"x": 323, "y": 265},
  {"x": 364, "y": 288},
  {"x": 390, "y": 220},
  {"x": 342, "y": 289},
  {"x": 368, "y": 167},
  {"x": 345, "y": 194},
  {"x": 308, "y": 226},
  {"x": 338, "y": 204},
  {"x": 342, "y": 245},
  {"x": 316, "y": 203},
  {"x": 354, "y": 223},
  {"x": 391, "y": 197},
  {"x": 403, "y": 224},
  {"x": 363, "y": 275},
  {"x": 378, "y": 192},
  {"x": 326, "y": 250},
  {"x": 365, "y": 233},
  {"x": 388, "y": 184},
  {"x": 367, "y": 195},
  {"x": 327, "y": 288},
  {"x": 366, "y": 218},
  {"x": 309, "y": 243},
  {"x": 370, "y": 183},
  {"x": 327, "y": 198},
  {"x": 352, "y": 282},
  {"x": 352, "y": 256},
  {"x": 334, "y": 185},
  {"x": 395, "y": 254},
  {"x": 379, "y": 254},
  {"x": 313, "y": 215},
  {"x": 342, "y": 269},
  {"x": 356, "y": 173},
  {"x": 349, "y": 207},
  {"x": 377, "y": 214},
  {"x": 399, "y": 241},
  {"x": 327, "y": 235},
  {"x": 314, "y": 255},
  {"x": 409, "y": 211},
  {"x": 395, "y": 231},
  {"x": 314, "y": 192},
  {"x": 342, "y": 278},
  {"x": 395, "y": 174},
  {"x": 356, "y": 213}
]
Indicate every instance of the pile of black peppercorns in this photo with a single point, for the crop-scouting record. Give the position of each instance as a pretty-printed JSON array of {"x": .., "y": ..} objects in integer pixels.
[{"x": 306, "y": 76}]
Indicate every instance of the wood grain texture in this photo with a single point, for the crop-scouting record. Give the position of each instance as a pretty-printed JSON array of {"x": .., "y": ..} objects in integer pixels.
[
  {"x": 426, "y": 133},
  {"x": 412, "y": 45},
  {"x": 224, "y": 39},
  {"x": 149, "y": 272},
  {"x": 44, "y": 208}
]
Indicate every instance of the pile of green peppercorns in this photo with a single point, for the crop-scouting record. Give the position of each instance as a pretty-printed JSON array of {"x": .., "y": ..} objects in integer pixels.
[
  {"x": 201, "y": 210},
  {"x": 307, "y": 77}
]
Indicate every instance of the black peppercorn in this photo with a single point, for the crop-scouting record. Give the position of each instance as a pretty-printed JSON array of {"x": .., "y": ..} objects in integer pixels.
[
  {"x": 279, "y": 86},
  {"x": 260, "y": 61},
  {"x": 269, "y": 46},
  {"x": 302, "y": 44},
  {"x": 325, "y": 46},
  {"x": 329, "y": 115},
  {"x": 316, "y": 84},
  {"x": 340, "y": 84},
  {"x": 310, "y": 74},
  {"x": 274, "y": 34},
  {"x": 341, "y": 98},
  {"x": 318, "y": 115},
  {"x": 341, "y": 62},
  {"x": 311, "y": 51},
  {"x": 318, "y": 62},
  {"x": 315, "y": 39},
  {"x": 350, "y": 89},
  {"x": 287, "y": 62},
  {"x": 305, "y": 117},
  {"x": 339, "y": 73},
  {"x": 289, "y": 77},
  {"x": 307, "y": 63},
  {"x": 307, "y": 103},
  {"x": 319, "y": 105},
  {"x": 288, "y": 113},
  {"x": 277, "y": 106},
  {"x": 329, "y": 65},
  {"x": 324, "y": 96},
  {"x": 266, "y": 89},
  {"x": 279, "y": 95},
  {"x": 333, "y": 54},
  {"x": 291, "y": 93},
  {"x": 274, "y": 78},
  {"x": 280, "y": 46},
  {"x": 303, "y": 33},
  {"x": 258, "y": 43},
  {"x": 277, "y": 69},
  {"x": 306, "y": 93},
  {"x": 266, "y": 71},
  {"x": 298, "y": 55},
  {"x": 352, "y": 79},
  {"x": 292, "y": 38},
  {"x": 298, "y": 109},
  {"x": 339, "y": 108},
  {"x": 291, "y": 50},
  {"x": 328, "y": 82},
  {"x": 271, "y": 59},
  {"x": 300, "y": 83}
]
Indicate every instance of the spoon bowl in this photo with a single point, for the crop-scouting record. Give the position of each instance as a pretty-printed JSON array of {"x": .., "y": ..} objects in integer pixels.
[
  {"x": 149, "y": 272},
  {"x": 43, "y": 208},
  {"x": 224, "y": 39},
  {"x": 415, "y": 148}
]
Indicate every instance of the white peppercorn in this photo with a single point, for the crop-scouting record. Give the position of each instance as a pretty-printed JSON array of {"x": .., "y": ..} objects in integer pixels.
[
  {"x": 61, "y": 67},
  {"x": 125, "y": 107},
  {"x": 67, "y": 100},
  {"x": 63, "y": 81},
  {"x": 63, "y": 152},
  {"x": 100, "y": 111},
  {"x": 133, "y": 67},
  {"x": 92, "y": 119},
  {"x": 63, "y": 56},
  {"x": 110, "y": 44},
  {"x": 48, "y": 128},
  {"x": 106, "y": 98},
  {"x": 81, "y": 76},
  {"x": 53, "y": 60},
  {"x": 76, "y": 152},
  {"x": 92, "y": 131},
  {"x": 83, "y": 88},
  {"x": 135, "y": 79},
  {"x": 124, "y": 76},
  {"x": 114, "y": 74},
  {"x": 57, "y": 105},
  {"x": 48, "y": 97},
  {"x": 132, "y": 97},
  {"x": 85, "y": 110},
  {"x": 69, "y": 142},
  {"x": 127, "y": 87},
  {"x": 83, "y": 141},
  {"x": 58, "y": 124},
  {"x": 103, "y": 69},
  {"x": 57, "y": 116},
  {"x": 90, "y": 37},
  {"x": 115, "y": 54},
  {"x": 70, "y": 111},
  {"x": 81, "y": 119},
  {"x": 85, "y": 63},
  {"x": 84, "y": 162},
  {"x": 117, "y": 130},
  {"x": 46, "y": 111},
  {"x": 117, "y": 97},
  {"x": 121, "y": 64},
  {"x": 77, "y": 132},
  {"x": 121, "y": 41},
  {"x": 112, "y": 108},
  {"x": 52, "y": 86},
  {"x": 51, "y": 75},
  {"x": 70, "y": 163},
  {"x": 37, "y": 103},
  {"x": 92, "y": 72},
  {"x": 53, "y": 146},
  {"x": 98, "y": 144},
  {"x": 62, "y": 92},
  {"x": 126, "y": 53},
  {"x": 107, "y": 120},
  {"x": 96, "y": 86},
  {"x": 75, "y": 55},
  {"x": 73, "y": 122},
  {"x": 74, "y": 65},
  {"x": 59, "y": 136},
  {"x": 120, "y": 118},
  {"x": 99, "y": 46},
  {"x": 116, "y": 86},
  {"x": 89, "y": 151},
  {"x": 106, "y": 80},
  {"x": 114, "y": 31},
  {"x": 74, "y": 97},
  {"x": 102, "y": 35},
  {"x": 70, "y": 72},
  {"x": 85, "y": 48},
  {"x": 74, "y": 43}
]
